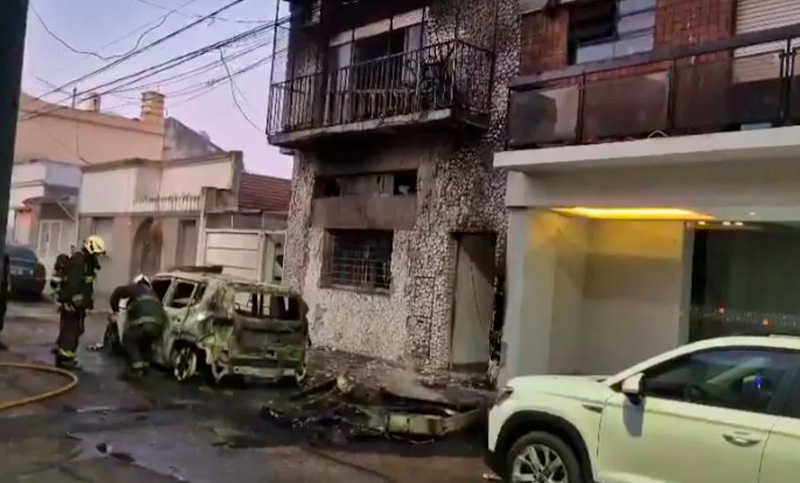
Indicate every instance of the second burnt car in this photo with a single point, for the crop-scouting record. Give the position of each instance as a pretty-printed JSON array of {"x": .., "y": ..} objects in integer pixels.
[{"x": 222, "y": 325}]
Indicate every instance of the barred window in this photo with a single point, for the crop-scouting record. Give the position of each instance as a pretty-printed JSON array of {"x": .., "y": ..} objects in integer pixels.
[{"x": 360, "y": 259}]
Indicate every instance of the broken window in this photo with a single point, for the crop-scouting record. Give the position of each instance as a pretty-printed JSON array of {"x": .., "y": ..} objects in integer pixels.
[
  {"x": 256, "y": 304},
  {"x": 360, "y": 259},
  {"x": 182, "y": 296},
  {"x": 161, "y": 287},
  {"x": 383, "y": 184},
  {"x": 607, "y": 29}
]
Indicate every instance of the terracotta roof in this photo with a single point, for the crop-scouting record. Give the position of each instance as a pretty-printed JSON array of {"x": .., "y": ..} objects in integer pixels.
[{"x": 264, "y": 193}]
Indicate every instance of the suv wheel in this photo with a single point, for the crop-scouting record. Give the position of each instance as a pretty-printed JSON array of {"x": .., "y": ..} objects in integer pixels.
[
  {"x": 541, "y": 457},
  {"x": 184, "y": 362}
]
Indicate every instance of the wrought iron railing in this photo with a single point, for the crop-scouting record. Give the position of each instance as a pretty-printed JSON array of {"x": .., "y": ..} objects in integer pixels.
[
  {"x": 167, "y": 204},
  {"x": 452, "y": 74},
  {"x": 743, "y": 84}
]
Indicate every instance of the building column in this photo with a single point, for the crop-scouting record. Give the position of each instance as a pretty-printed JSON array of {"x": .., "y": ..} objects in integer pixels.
[{"x": 529, "y": 304}]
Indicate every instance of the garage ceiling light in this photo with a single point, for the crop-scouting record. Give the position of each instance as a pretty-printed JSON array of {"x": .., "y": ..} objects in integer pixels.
[{"x": 677, "y": 214}]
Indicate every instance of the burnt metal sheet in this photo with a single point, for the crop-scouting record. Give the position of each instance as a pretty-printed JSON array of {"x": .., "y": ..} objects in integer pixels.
[
  {"x": 433, "y": 425},
  {"x": 544, "y": 116},
  {"x": 365, "y": 212}
]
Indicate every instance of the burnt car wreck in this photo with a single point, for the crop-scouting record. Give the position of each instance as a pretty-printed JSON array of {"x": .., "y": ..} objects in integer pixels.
[{"x": 223, "y": 326}]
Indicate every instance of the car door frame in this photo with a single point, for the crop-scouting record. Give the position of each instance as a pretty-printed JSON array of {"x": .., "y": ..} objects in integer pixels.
[{"x": 776, "y": 405}]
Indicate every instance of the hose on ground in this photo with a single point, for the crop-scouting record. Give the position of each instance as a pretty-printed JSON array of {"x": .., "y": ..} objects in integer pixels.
[{"x": 45, "y": 395}]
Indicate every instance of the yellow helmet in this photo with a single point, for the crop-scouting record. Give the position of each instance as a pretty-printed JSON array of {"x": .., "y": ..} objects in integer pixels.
[{"x": 94, "y": 245}]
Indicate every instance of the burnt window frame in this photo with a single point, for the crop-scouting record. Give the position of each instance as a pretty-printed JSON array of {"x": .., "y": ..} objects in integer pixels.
[
  {"x": 613, "y": 37},
  {"x": 349, "y": 269}
]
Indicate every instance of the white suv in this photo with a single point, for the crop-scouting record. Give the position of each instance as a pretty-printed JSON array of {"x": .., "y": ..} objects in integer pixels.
[{"x": 718, "y": 411}]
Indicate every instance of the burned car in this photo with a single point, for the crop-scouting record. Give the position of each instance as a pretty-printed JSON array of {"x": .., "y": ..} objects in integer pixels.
[{"x": 225, "y": 326}]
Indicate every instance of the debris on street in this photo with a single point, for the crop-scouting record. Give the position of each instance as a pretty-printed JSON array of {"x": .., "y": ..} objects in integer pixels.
[{"x": 371, "y": 398}]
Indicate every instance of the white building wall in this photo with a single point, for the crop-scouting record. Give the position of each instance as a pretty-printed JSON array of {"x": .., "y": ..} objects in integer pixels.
[
  {"x": 109, "y": 191},
  {"x": 190, "y": 179},
  {"x": 633, "y": 297}
]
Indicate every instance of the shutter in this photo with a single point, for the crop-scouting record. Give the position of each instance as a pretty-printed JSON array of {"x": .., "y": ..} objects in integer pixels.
[{"x": 761, "y": 62}]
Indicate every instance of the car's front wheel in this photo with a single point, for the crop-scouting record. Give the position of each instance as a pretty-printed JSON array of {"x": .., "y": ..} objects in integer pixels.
[
  {"x": 184, "y": 362},
  {"x": 540, "y": 457}
]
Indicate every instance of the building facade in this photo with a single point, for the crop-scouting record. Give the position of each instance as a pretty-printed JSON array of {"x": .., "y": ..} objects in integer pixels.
[
  {"x": 653, "y": 179},
  {"x": 396, "y": 231}
]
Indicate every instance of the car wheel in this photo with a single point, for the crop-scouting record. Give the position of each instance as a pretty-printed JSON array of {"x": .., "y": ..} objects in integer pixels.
[
  {"x": 542, "y": 458},
  {"x": 184, "y": 363}
]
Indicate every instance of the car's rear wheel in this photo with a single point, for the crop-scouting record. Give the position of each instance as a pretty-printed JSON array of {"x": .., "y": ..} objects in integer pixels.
[{"x": 540, "y": 457}]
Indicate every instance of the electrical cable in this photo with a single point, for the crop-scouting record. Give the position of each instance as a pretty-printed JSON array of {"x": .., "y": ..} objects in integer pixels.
[
  {"x": 189, "y": 15},
  {"x": 145, "y": 48},
  {"x": 234, "y": 89},
  {"x": 166, "y": 65}
]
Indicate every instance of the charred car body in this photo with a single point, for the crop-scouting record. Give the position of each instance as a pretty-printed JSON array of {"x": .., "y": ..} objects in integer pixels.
[{"x": 226, "y": 326}]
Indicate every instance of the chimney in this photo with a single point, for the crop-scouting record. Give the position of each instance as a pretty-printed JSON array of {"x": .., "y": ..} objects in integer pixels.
[
  {"x": 152, "y": 107},
  {"x": 92, "y": 102}
]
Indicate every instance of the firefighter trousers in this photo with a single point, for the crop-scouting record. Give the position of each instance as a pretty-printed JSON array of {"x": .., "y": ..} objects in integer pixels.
[
  {"x": 138, "y": 343},
  {"x": 69, "y": 334}
]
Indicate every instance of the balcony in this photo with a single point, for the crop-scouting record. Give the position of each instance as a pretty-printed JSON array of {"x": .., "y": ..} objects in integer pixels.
[
  {"x": 447, "y": 83},
  {"x": 167, "y": 204},
  {"x": 749, "y": 81}
]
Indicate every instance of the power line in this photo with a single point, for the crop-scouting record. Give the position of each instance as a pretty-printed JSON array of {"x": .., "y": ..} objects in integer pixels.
[
  {"x": 189, "y": 15},
  {"x": 145, "y": 48},
  {"x": 234, "y": 89}
]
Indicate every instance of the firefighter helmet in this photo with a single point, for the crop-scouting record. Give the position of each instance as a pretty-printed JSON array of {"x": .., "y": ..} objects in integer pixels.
[
  {"x": 143, "y": 279},
  {"x": 94, "y": 245}
]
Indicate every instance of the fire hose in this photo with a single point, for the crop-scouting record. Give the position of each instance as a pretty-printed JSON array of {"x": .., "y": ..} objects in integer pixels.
[{"x": 5, "y": 406}]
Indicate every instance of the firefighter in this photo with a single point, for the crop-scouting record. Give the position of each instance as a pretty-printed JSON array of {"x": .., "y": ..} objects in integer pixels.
[
  {"x": 145, "y": 321},
  {"x": 57, "y": 280},
  {"x": 4, "y": 284},
  {"x": 75, "y": 298}
]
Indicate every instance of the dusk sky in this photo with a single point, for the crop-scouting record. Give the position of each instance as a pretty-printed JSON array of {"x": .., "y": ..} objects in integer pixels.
[{"x": 91, "y": 25}]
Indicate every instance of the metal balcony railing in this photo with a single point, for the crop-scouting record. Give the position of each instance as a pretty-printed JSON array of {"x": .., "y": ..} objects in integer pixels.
[
  {"x": 452, "y": 74},
  {"x": 744, "y": 82},
  {"x": 167, "y": 204}
]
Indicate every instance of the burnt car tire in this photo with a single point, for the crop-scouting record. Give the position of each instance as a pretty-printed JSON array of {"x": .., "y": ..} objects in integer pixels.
[{"x": 185, "y": 361}]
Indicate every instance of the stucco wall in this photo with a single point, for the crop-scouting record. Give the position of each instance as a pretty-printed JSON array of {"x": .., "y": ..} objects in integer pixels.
[
  {"x": 189, "y": 179},
  {"x": 109, "y": 191},
  {"x": 458, "y": 191},
  {"x": 73, "y": 136}
]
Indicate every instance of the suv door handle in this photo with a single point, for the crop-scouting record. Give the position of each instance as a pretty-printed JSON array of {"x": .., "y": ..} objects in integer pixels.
[{"x": 741, "y": 438}]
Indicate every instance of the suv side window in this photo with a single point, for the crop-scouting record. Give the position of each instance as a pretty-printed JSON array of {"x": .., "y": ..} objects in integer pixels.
[
  {"x": 743, "y": 379},
  {"x": 161, "y": 287},
  {"x": 182, "y": 295}
]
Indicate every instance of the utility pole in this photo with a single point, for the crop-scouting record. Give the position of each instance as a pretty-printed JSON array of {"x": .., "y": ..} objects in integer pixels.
[{"x": 13, "y": 17}]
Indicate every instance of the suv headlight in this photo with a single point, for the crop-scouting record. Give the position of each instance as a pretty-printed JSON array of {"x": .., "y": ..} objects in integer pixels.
[{"x": 504, "y": 394}]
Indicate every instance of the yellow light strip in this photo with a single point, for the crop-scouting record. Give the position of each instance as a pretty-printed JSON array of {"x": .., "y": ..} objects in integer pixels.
[{"x": 676, "y": 214}]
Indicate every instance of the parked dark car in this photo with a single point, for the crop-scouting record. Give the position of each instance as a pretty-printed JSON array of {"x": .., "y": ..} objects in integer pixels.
[{"x": 27, "y": 276}]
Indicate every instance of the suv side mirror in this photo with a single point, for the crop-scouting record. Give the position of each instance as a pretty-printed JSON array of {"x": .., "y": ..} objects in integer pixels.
[{"x": 632, "y": 388}]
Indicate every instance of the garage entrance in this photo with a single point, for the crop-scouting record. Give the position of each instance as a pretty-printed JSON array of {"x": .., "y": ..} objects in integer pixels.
[{"x": 745, "y": 280}]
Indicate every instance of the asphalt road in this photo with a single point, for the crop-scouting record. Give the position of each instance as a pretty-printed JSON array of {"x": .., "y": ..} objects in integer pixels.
[{"x": 107, "y": 430}]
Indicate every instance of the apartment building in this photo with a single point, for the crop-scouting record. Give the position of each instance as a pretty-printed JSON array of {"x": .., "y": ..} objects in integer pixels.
[
  {"x": 396, "y": 231},
  {"x": 653, "y": 179}
]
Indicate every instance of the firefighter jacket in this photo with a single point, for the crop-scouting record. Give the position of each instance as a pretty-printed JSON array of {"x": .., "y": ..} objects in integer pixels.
[
  {"x": 77, "y": 290},
  {"x": 144, "y": 306}
]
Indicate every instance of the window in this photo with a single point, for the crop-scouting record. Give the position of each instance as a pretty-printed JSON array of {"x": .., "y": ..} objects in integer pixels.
[
  {"x": 360, "y": 259},
  {"x": 611, "y": 28},
  {"x": 744, "y": 379},
  {"x": 182, "y": 296},
  {"x": 256, "y": 304},
  {"x": 383, "y": 184},
  {"x": 161, "y": 287}
]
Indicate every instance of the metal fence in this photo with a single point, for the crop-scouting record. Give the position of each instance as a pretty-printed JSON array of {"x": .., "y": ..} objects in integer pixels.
[
  {"x": 718, "y": 90},
  {"x": 452, "y": 74}
]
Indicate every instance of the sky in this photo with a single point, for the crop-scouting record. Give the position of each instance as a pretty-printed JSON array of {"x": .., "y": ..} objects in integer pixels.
[{"x": 91, "y": 25}]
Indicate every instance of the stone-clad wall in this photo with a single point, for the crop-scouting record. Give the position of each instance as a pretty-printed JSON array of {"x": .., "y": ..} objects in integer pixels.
[{"x": 458, "y": 192}]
